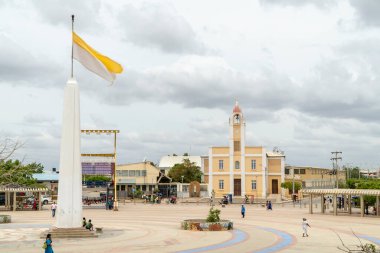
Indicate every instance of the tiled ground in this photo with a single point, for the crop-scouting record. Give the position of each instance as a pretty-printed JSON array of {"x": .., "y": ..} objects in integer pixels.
[{"x": 156, "y": 228}]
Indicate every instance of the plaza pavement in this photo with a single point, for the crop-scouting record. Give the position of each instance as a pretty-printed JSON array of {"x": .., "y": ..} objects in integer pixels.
[{"x": 156, "y": 228}]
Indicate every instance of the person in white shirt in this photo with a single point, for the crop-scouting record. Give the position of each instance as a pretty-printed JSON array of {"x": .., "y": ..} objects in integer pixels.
[
  {"x": 304, "y": 227},
  {"x": 53, "y": 208}
]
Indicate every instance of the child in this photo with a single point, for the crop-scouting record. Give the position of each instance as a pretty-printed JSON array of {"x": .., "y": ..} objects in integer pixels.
[
  {"x": 89, "y": 226},
  {"x": 242, "y": 211},
  {"x": 304, "y": 227}
]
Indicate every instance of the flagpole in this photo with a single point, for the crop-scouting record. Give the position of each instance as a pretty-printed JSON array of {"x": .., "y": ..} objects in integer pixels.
[{"x": 72, "y": 46}]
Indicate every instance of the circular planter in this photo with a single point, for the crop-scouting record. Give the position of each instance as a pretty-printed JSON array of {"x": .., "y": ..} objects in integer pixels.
[
  {"x": 5, "y": 219},
  {"x": 203, "y": 225}
]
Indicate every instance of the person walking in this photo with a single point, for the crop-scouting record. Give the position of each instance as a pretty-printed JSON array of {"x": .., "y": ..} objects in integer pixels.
[
  {"x": 305, "y": 224},
  {"x": 270, "y": 205},
  {"x": 48, "y": 244},
  {"x": 53, "y": 209},
  {"x": 243, "y": 211},
  {"x": 34, "y": 204}
]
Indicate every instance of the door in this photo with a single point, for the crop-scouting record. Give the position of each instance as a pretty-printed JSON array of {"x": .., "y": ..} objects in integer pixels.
[
  {"x": 237, "y": 187},
  {"x": 274, "y": 186}
]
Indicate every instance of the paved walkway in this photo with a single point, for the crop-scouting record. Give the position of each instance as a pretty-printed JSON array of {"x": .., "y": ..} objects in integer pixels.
[{"x": 156, "y": 228}]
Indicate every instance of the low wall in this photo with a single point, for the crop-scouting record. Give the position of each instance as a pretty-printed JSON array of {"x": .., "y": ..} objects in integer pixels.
[
  {"x": 5, "y": 219},
  {"x": 203, "y": 225}
]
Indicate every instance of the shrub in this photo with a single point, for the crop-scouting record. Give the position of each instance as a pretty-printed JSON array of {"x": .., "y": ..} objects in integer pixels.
[{"x": 213, "y": 215}]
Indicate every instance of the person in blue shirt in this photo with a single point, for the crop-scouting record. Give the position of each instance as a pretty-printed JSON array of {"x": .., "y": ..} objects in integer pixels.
[
  {"x": 243, "y": 211},
  {"x": 49, "y": 247}
]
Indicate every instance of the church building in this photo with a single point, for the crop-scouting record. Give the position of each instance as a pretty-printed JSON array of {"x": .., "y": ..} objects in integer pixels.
[{"x": 241, "y": 170}]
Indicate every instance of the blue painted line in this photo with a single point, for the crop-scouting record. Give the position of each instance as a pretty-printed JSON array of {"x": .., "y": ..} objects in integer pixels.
[
  {"x": 370, "y": 238},
  {"x": 238, "y": 236},
  {"x": 286, "y": 240}
]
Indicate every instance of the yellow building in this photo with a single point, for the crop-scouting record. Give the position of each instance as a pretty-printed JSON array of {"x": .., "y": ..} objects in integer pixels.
[
  {"x": 142, "y": 176},
  {"x": 242, "y": 170},
  {"x": 313, "y": 177}
]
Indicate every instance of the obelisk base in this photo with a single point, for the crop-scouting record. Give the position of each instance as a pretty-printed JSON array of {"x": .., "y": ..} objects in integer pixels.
[{"x": 69, "y": 233}]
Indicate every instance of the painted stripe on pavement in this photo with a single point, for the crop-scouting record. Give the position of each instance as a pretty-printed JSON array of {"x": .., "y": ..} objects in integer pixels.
[
  {"x": 370, "y": 238},
  {"x": 285, "y": 240},
  {"x": 238, "y": 237}
]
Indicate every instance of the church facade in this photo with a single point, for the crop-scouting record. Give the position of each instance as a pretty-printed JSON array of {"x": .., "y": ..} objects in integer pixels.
[{"x": 241, "y": 170}]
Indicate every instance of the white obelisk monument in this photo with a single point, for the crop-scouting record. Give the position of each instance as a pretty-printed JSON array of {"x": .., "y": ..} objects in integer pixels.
[{"x": 69, "y": 206}]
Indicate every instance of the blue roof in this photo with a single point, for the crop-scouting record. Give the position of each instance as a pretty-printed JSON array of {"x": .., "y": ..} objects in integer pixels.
[{"x": 46, "y": 176}]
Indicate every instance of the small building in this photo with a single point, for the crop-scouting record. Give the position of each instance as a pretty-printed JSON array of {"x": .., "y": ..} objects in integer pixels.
[
  {"x": 143, "y": 176},
  {"x": 313, "y": 177},
  {"x": 49, "y": 179}
]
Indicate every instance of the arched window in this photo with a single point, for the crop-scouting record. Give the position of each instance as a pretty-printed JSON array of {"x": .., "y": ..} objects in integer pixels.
[{"x": 237, "y": 165}]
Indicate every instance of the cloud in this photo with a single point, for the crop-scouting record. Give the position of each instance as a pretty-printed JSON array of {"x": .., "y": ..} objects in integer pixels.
[
  {"x": 201, "y": 82},
  {"x": 339, "y": 87},
  {"x": 298, "y": 3},
  {"x": 367, "y": 11},
  {"x": 18, "y": 66},
  {"x": 158, "y": 26},
  {"x": 37, "y": 119},
  {"x": 58, "y": 12}
]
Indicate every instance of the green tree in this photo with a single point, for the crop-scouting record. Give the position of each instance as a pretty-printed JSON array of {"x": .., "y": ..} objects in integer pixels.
[
  {"x": 188, "y": 170},
  {"x": 289, "y": 185},
  {"x": 97, "y": 178},
  {"x": 16, "y": 173},
  {"x": 352, "y": 172}
]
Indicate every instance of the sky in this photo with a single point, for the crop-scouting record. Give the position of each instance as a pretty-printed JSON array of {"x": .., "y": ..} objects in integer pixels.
[{"x": 305, "y": 73}]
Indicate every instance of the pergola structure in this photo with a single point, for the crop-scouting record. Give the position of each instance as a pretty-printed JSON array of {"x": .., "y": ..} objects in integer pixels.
[
  {"x": 108, "y": 155},
  {"x": 346, "y": 193},
  {"x": 11, "y": 192}
]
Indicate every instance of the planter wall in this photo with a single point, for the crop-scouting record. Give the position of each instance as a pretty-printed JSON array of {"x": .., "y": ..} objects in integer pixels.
[
  {"x": 5, "y": 219},
  {"x": 203, "y": 225}
]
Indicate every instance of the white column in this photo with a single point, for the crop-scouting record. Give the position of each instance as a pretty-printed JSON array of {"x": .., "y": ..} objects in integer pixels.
[
  {"x": 210, "y": 178},
  {"x": 69, "y": 206},
  {"x": 231, "y": 155},
  {"x": 14, "y": 201},
  {"x": 242, "y": 148},
  {"x": 264, "y": 174},
  {"x": 282, "y": 176}
]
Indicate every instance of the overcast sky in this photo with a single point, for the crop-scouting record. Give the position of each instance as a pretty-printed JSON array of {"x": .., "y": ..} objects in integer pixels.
[{"x": 306, "y": 74}]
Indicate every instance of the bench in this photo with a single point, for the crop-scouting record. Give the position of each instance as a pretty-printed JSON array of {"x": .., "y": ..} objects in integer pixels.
[{"x": 99, "y": 230}]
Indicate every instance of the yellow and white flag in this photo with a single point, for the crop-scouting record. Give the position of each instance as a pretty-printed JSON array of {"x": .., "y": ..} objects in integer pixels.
[{"x": 94, "y": 61}]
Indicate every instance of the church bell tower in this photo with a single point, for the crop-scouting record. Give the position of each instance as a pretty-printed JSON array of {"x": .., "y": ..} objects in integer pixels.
[{"x": 237, "y": 151}]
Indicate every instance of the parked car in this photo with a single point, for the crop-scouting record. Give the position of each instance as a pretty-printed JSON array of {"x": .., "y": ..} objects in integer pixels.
[{"x": 44, "y": 199}]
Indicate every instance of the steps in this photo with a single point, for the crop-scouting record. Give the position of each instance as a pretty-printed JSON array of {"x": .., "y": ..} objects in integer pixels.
[{"x": 69, "y": 233}]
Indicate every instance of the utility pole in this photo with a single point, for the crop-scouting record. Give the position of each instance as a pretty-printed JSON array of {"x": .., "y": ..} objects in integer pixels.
[
  {"x": 293, "y": 194},
  {"x": 335, "y": 159}
]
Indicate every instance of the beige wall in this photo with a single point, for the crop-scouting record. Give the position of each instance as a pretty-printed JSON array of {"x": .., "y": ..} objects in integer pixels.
[
  {"x": 220, "y": 150},
  {"x": 206, "y": 165},
  {"x": 151, "y": 172},
  {"x": 259, "y": 164},
  {"x": 259, "y": 185},
  {"x": 220, "y": 192},
  {"x": 254, "y": 150},
  {"x": 215, "y": 164},
  {"x": 274, "y": 165}
]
